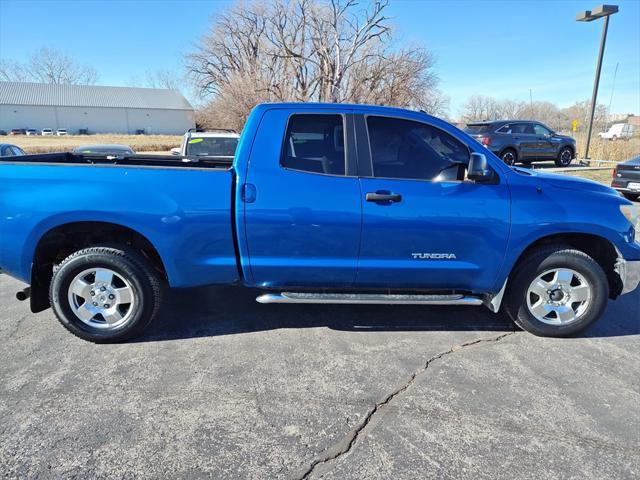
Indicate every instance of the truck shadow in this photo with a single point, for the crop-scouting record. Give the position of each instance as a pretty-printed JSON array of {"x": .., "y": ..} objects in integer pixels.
[{"x": 210, "y": 312}]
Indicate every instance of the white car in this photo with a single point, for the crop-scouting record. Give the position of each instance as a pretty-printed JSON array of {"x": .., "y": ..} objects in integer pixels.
[
  {"x": 31, "y": 132},
  {"x": 61, "y": 132},
  {"x": 618, "y": 131},
  {"x": 217, "y": 144},
  {"x": 46, "y": 131}
]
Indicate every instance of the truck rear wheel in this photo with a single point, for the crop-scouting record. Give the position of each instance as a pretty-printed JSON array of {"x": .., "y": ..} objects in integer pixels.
[
  {"x": 557, "y": 292},
  {"x": 105, "y": 294}
]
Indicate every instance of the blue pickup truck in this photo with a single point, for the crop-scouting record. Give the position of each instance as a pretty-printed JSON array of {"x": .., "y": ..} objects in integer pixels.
[{"x": 321, "y": 204}]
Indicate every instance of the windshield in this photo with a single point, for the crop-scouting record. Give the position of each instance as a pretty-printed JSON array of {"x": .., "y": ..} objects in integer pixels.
[
  {"x": 478, "y": 129},
  {"x": 212, "y": 146}
]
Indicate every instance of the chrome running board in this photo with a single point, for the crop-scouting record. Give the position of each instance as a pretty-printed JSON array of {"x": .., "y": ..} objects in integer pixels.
[{"x": 368, "y": 298}]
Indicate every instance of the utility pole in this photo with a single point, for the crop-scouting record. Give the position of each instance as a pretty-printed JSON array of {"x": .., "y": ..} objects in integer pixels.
[{"x": 588, "y": 16}]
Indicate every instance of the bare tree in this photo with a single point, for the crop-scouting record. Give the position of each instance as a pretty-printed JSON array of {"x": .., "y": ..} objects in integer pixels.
[
  {"x": 48, "y": 65},
  {"x": 168, "y": 79},
  {"x": 310, "y": 50},
  {"x": 479, "y": 108},
  {"x": 581, "y": 111}
]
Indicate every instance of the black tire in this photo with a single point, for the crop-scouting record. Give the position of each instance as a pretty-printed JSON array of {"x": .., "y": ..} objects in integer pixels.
[
  {"x": 631, "y": 196},
  {"x": 142, "y": 281},
  {"x": 544, "y": 260},
  {"x": 565, "y": 157},
  {"x": 509, "y": 156}
]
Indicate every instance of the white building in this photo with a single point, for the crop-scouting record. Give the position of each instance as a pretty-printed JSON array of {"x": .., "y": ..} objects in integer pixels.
[{"x": 95, "y": 108}]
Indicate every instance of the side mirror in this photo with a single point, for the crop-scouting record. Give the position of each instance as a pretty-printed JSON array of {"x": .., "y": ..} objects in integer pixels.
[
  {"x": 479, "y": 170},
  {"x": 175, "y": 151}
]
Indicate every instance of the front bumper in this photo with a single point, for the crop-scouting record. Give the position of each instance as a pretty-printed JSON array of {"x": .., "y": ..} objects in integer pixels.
[{"x": 629, "y": 273}]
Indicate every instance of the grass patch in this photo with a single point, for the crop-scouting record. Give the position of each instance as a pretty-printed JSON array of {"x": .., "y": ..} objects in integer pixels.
[
  {"x": 619, "y": 151},
  {"x": 602, "y": 176},
  {"x": 139, "y": 143}
]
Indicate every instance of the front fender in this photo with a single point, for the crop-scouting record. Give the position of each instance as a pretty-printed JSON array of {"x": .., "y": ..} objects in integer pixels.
[{"x": 542, "y": 209}]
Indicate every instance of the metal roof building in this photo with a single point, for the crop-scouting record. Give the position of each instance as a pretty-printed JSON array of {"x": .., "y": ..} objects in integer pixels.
[{"x": 97, "y": 109}]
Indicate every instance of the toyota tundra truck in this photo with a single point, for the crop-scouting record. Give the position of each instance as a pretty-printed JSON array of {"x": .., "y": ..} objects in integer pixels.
[{"x": 322, "y": 203}]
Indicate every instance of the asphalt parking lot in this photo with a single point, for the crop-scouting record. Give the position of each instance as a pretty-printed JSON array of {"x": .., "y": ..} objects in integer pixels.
[{"x": 222, "y": 387}]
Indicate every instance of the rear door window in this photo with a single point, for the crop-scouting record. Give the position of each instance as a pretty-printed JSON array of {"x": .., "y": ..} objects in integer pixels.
[
  {"x": 522, "y": 128},
  {"x": 315, "y": 143}
]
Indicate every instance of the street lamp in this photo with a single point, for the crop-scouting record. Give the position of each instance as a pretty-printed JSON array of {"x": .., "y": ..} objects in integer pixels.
[{"x": 589, "y": 16}]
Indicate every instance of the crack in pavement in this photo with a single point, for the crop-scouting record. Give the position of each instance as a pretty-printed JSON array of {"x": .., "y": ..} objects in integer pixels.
[{"x": 345, "y": 445}]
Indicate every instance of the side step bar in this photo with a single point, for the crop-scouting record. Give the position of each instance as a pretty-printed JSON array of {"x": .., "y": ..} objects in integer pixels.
[{"x": 368, "y": 298}]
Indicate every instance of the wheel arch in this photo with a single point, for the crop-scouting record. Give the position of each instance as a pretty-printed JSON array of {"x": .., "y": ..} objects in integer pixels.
[
  {"x": 597, "y": 247},
  {"x": 60, "y": 241},
  {"x": 513, "y": 148},
  {"x": 570, "y": 147}
]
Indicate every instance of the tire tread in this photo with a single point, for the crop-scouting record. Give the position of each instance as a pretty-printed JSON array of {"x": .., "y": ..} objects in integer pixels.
[
  {"x": 513, "y": 303},
  {"x": 128, "y": 255}
]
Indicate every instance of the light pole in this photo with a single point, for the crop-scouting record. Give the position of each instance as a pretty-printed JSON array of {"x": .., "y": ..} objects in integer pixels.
[{"x": 589, "y": 16}]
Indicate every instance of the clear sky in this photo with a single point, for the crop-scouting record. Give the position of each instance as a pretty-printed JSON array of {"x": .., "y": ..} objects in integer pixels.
[{"x": 499, "y": 48}]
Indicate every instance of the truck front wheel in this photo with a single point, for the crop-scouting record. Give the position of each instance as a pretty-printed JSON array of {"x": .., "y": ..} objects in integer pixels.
[
  {"x": 557, "y": 292},
  {"x": 105, "y": 294}
]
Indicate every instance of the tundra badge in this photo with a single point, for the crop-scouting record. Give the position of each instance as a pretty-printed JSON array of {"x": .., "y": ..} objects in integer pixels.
[{"x": 433, "y": 256}]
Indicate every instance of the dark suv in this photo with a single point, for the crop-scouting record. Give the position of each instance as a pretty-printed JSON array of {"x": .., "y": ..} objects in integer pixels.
[{"x": 523, "y": 141}]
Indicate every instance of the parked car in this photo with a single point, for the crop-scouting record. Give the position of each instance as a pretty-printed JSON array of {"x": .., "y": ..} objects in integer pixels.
[
  {"x": 47, "y": 131},
  {"x": 61, "y": 132},
  {"x": 217, "y": 143},
  {"x": 8, "y": 150},
  {"x": 323, "y": 203},
  {"x": 626, "y": 178},
  {"x": 618, "y": 131},
  {"x": 17, "y": 131},
  {"x": 3, "y": 132},
  {"x": 105, "y": 149},
  {"x": 523, "y": 141},
  {"x": 31, "y": 132}
]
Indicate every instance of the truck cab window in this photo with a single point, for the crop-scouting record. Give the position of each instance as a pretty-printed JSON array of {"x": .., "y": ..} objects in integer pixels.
[
  {"x": 407, "y": 149},
  {"x": 315, "y": 143}
]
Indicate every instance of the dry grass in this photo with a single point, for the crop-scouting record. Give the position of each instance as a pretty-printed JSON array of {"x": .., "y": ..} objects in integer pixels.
[
  {"x": 602, "y": 176},
  {"x": 620, "y": 150},
  {"x": 139, "y": 143}
]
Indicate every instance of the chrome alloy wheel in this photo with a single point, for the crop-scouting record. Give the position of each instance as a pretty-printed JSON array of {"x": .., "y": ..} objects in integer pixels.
[
  {"x": 102, "y": 298},
  {"x": 559, "y": 296},
  {"x": 566, "y": 156},
  {"x": 509, "y": 158}
]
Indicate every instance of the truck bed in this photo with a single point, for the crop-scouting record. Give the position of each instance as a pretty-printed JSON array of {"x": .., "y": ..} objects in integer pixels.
[{"x": 184, "y": 209}]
